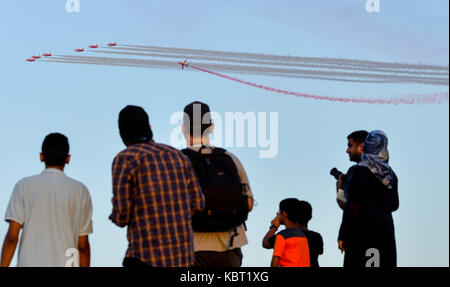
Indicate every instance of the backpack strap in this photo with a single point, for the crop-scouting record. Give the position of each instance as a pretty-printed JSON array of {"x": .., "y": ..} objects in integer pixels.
[
  {"x": 218, "y": 150},
  {"x": 233, "y": 236},
  {"x": 188, "y": 151}
]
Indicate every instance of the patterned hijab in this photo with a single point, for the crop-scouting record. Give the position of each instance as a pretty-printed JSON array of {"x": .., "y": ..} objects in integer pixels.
[{"x": 376, "y": 157}]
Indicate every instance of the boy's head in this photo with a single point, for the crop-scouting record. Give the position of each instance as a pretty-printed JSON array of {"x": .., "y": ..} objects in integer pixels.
[
  {"x": 288, "y": 211},
  {"x": 55, "y": 150},
  {"x": 304, "y": 212}
]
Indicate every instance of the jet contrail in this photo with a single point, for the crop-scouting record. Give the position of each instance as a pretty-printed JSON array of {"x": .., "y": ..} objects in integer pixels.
[
  {"x": 270, "y": 70},
  {"x": 436, "y": 98},
  {"x": 174, "y": 66},
  {"x": 340, "y": 61},
  {"x": 269, "y": 63},
  {"x": 335, "y": 69}
]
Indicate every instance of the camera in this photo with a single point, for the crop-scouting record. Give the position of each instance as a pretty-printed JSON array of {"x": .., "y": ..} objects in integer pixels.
[{"x": 336, "y": 173}]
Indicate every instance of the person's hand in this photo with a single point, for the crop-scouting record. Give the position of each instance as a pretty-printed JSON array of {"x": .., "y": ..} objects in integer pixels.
[
  {"x": 339, "y": 182},
  {"x": 275, "y": 221},
  {"x": 341, "y": 246}
]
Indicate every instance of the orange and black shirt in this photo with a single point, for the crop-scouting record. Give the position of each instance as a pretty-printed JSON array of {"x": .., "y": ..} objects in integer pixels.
[{"x": 291, "y": 245}]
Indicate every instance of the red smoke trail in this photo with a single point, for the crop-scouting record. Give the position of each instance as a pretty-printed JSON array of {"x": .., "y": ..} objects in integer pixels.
[{"x": 435, "y": 98}]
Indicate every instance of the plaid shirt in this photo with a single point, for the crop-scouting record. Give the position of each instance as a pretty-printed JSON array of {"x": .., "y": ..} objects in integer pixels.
[{"x": 154, "y": 192}]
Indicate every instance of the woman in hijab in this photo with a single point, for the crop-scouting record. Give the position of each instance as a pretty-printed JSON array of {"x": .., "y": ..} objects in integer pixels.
[{"x": 368, "y": 227}]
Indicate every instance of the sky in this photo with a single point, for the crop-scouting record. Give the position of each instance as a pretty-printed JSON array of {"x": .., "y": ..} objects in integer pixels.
[{"x": 83, "y": 102}]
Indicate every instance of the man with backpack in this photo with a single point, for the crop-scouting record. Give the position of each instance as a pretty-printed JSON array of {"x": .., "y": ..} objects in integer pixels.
[{"x": 219, "y": 230}]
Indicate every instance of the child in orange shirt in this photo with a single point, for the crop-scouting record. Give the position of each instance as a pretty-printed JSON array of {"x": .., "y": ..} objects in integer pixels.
[{"x": 291, "y": 245}]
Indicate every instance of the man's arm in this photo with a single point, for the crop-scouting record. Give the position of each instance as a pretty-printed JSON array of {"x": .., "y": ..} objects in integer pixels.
[
  {"x": 10, "y": 243},
  {"x": 85, "y": 251},
  {"x": 123, "y": 196},
  {"x": 340, "y": 192},
  {"x": 250, "y": 204},
  {"x": 244, "y": 179},
  {"x": 341, "y": 246}
]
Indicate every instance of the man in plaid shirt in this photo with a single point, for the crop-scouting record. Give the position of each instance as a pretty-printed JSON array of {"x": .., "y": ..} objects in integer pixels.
[{"x": 155, "y": 192}]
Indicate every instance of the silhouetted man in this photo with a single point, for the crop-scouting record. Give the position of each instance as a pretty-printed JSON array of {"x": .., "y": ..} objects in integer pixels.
[
  {"x": 54, "y": 212},
  {"x": 355, "y": 145},
  {"x": 367, "y": 224},
  {"x": 155, "y": 191},
  {"x": 218, "y": 233}
]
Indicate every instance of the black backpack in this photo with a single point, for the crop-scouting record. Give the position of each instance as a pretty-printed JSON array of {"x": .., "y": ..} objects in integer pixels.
[{"x": 225, "y": 196}]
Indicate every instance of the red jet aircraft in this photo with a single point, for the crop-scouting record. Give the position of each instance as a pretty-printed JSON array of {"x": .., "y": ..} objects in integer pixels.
[
  {"x": 36, "y": 57},
  {"x": 79, "y": 50},
  {"x": 47, "y": 55},
  {"x": 112, "y": 44},
  {"x": 30, "y": 60},
  {"x": 183, "y": 64},
  {"x": 93, "y": 46}
]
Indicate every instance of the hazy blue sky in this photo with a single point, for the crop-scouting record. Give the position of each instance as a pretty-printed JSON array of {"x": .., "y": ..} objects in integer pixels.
[{"x": 83, "y": 102}]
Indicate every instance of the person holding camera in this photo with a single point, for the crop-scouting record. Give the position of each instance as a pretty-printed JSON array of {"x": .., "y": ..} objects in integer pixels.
[
  {"x": 355, "y": 144},
  {"x": 367, "y": 224}
]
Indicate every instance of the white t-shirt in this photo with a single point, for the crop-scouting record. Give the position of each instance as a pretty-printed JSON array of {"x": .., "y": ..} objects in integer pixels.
[
  {"x": 220, "y": 241},
  {"x": 54, "y": 210}
]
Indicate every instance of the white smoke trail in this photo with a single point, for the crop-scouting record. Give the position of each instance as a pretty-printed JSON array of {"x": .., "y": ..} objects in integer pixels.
[
  {"x": 435, "y": 98},
  {"x": 271, "y": 70},
  {"x": 171, "y": 66},
  {"x": 321, "y": 60},
  {"x": 269, "y": 63}
]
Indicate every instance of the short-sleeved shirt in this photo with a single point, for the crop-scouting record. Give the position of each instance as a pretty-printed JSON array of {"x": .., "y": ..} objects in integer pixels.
[
  {"x": 54, "y": 210},
  {"x": 315, "y": 243},
  {"x": 155, "y": 191},
  {"x": 291, "y": 245},
  {"x": 220, "y": 241}
]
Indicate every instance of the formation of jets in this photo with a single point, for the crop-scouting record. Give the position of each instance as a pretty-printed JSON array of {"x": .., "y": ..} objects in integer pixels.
[
  {"x": 34, "y": 58},
  {"x": 183, "y": 64}
]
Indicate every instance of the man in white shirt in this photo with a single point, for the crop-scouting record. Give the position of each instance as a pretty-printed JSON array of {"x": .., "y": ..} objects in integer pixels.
[
  {"x": 54, "y": 212},
  {"x": 216, "y": 248}
]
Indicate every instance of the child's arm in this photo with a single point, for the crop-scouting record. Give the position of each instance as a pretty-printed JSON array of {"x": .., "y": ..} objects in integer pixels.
[
  {"x": 10, "y": 243},
  {"x": 275, "y": 261},
  {"x": 278, "y": 250},
  {"x": 275, "y": 223}
]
